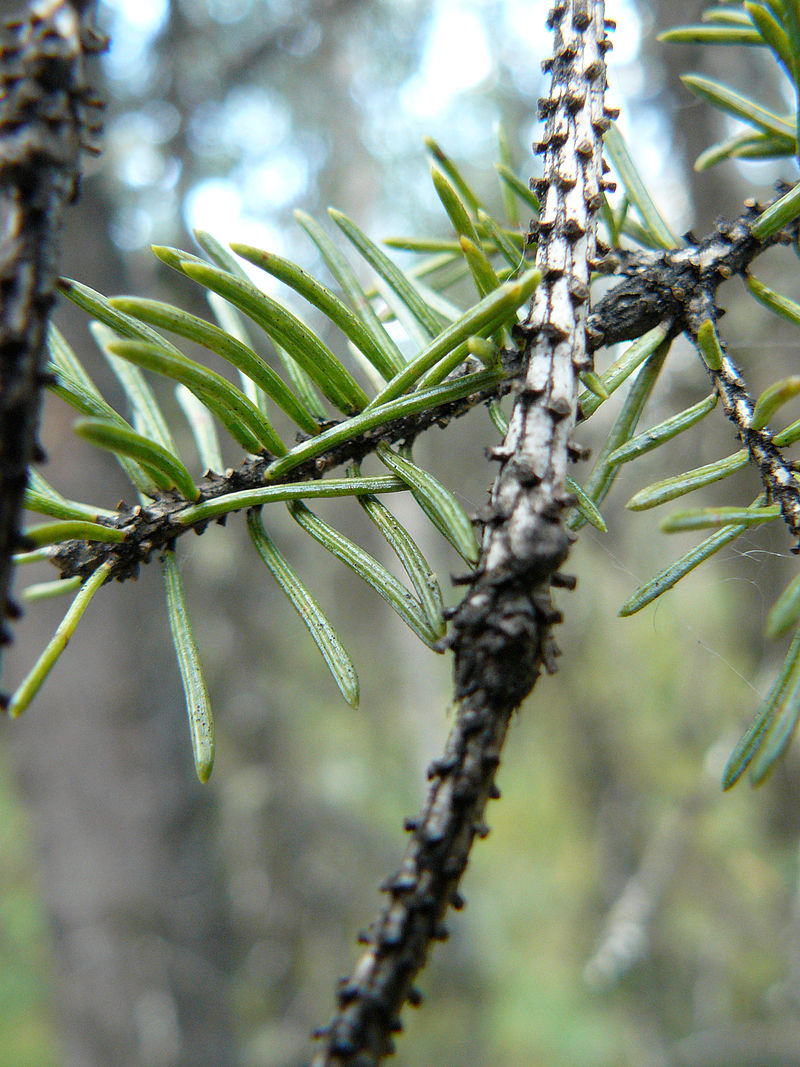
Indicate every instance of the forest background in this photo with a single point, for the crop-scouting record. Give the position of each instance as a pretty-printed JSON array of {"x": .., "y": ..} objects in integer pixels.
[{"x": 623, "y": 909}]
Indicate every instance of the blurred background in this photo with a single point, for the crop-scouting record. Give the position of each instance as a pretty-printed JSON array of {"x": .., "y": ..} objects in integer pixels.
[{"x": 623, "y": 911}]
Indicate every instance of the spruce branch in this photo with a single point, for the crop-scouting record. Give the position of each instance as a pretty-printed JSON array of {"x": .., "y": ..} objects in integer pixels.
[
  {"x": 152, "y": 528},
  {"x": 46, "y": 120},
  {"x": 675, "y": 289},
  {"x": 678, "y": 289},
  {"x": 501, "y": 631}
]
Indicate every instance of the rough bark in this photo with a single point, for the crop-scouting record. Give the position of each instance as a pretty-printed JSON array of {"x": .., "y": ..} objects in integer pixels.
[
  {"x": 501, "y": 631},
  {"x": 45, "y": 122}
]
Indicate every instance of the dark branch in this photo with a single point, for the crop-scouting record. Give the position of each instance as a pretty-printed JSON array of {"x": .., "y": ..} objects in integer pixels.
[
  {"x": 151, "y": 529},
  {"x": 45, "y": 108},
  {"x": 501, "y": 631},
  {"x": 678, "y": 284},
  {"x": 679, "y": 287}
]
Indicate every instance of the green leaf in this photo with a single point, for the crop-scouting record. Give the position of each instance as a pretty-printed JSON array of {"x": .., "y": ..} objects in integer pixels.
[
  {"x": 230, "y": 321},
  {"x": 35, "y": 679},
  {"x": 612, "y": 220},
  {"x": 781, "y": 305},
  {"x": 423, "y": 578},
  {"x": 709, "y": 345},
  {"x": 198, "y": 707},
  {"x": 483, "y": 273},
  {"x": 781, "y": 730},
  {"x": 313, "y": 490},
  {"x": 129, "y": 443},
  {"x": 512, "y": 182},
  {"x": 220, "y": 255},
  {"x": 148, "y": 418},
  {"x": 345, "y": 276},
  {"x": 98, "y": 306},
  {"x": 325, "y": 301},
  {"x": 50, "y": 590},
  {"x": 400, "y": 312},
  {"x": 497, "y": 415},
  {"x": 368, "y": 569},
  {"x": 586, "y": 506},
  {"x": 704, "y": 518},
  {"x": 773, "y": 33},
  {"x": 496, "y": 309},
  {"x": 636, "y": 191},
  {"x": 671, "y": 575},
  {"x": 711, "y": 35},
  {"x": 241, "y": 418},
  {"x": 74, "y": 386},
  {"x": 773, "y": 398},
  {"x": 604, "y": 471},
  {"x": 787, "y": 436},
  {"x": 287, "y": 330},
  {"x": 203, "y": 429},
  {"x": 486, "y": 351},
  {"x": 663, "y": 431},
  {"x": 41, "y": 497},
  {"x": 423, "y": 245},
  {"x": 456, "y": 209},
  {"x": 39, "y": 555},
  {"x": 741, "y": 107},
  {"x": 423, "y": 400},
  {"x": 390, "y": 273},
  {"x": 680, "y": 484},
  {"x": 303, "y": 385},
  {"x": 438, "y": 503},
  {"x": 454, "y": 174},
  {"x": 66, "y": 361},
  {"x": 223, "y": 344},
  {"x": 594, "y": 383},
  {"x": 785, "y": 612},
  {"x": 323, "y": 634},
  {"x": 503, "y": 241},
  {"x": 53, "y": 533},
  {"x": 506, "y": 160},
  {"x": 727, "y": 14},
  {"x": 622, "y": 368},
  {"x": 747, "y": 145},
  {"x": 749, "y": 744},
  {"x": 765, "y": 147}
]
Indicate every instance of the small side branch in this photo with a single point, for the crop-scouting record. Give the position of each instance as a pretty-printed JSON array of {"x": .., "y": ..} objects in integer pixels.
[
  {"x": 776, "y": 472},
  {"x": 157, "y": 526},
  {"x": 681, "y": 286},
  {"x": 44, "y": 104}
]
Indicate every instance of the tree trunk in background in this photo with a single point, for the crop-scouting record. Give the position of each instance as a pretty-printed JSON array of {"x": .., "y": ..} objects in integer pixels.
[{"x": 694, "y": 125}]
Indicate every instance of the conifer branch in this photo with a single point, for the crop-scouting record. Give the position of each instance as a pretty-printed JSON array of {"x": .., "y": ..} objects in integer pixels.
[
  {"x": 157, "y": 526},
  {"x": 45, "y": 123},
  {"x": 501, "y": 631},
  {"x": 679, "y": 288}
]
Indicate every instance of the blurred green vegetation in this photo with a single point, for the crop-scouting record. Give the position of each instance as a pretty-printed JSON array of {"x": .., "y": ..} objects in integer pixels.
[{"x": 28, "y": 1035}]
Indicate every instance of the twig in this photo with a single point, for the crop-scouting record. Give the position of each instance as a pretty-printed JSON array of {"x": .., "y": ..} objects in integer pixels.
[
  {"x": 680, "y": 287},
  {"x": 151, "y": 529},
  {"x": 501, "y": 631}
]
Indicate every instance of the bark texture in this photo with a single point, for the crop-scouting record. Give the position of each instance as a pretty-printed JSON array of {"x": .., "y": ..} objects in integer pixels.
[
  {"x": 45, "y": 122},
  {"x": 501, "y": 631}
]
